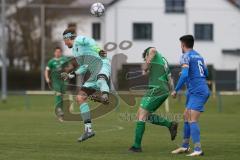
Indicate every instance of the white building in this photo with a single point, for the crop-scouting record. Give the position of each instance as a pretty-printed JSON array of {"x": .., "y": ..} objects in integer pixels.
[
  {"x": 215, "y": 24},
  {"x": 159, "y": 23}
]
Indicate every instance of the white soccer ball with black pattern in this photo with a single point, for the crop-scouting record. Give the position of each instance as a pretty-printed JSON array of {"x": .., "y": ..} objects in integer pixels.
[{"x": 97, "y": 9}]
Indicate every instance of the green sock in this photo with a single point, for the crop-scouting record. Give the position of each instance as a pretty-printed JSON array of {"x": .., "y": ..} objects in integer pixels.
[
  {"x": 140, "y": 128},
  {"x": 58, "y": 101},
  {"x": 156, "y": 119}
]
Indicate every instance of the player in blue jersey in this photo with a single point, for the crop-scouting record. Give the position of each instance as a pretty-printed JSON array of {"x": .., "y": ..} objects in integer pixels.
[
  {"x": 193, "y": 74},
  {"x": 86, "y": 54}
]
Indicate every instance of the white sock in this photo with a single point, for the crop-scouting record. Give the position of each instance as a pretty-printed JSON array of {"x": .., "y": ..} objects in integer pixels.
[{"x": 88, "y": 127}]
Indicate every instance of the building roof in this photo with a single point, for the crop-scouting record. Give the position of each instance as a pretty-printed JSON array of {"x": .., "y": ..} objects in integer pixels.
[
  {"x": 87, "y": 3},
  {"x": 235, "y": 2},
  {"x": 79, "y": 3}
]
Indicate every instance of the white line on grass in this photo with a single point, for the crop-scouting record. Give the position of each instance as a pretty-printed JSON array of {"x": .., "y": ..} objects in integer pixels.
[{"x": 114, "y": 128}]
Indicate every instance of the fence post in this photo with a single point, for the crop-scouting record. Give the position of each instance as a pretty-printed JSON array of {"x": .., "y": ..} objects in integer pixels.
[
  {"x": 214, "y": 89},
  {"x": 27, "y": 102},
  {"x": 219, "y": 102},
  {"x": 167, "y": 105}
]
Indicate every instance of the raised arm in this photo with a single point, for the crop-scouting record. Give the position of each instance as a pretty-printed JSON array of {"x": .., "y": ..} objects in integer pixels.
[
  {"x": 183, "y": 77},
  {"x": 148, "y": 59}
]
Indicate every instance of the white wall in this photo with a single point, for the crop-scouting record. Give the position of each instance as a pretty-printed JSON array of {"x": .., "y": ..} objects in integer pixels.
[
  {"x": 167, "y": 28},
  {"x": 117, "y": 25},
  {"x": 84, "y": 27},
  {"x": 226, "y": 20}
]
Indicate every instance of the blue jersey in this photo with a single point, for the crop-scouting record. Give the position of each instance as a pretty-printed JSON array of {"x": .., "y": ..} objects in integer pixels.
[{"x": 196, "y": 80}]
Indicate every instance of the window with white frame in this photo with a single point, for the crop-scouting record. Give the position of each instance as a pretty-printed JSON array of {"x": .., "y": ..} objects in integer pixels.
[
  {"x": 142, "y": 31},
  {"x": 203, "y": 32},
  {"x": 174, "y": 6}
]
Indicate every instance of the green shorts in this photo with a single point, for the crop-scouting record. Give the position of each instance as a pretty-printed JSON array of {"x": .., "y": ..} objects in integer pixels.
[
  {"x": 154, "y": 98},
  {"x": 59, "y": 87}
]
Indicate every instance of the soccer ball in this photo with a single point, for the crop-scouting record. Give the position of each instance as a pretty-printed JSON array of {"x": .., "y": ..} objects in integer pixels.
[{"x": 97, "y": 9}]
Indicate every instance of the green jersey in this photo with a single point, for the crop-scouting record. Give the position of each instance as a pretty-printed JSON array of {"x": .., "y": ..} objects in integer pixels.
[
  {"x": 54, "y": 65},
  {"x": 158, "y": 71},
  {"x": 158, "y": 84}
]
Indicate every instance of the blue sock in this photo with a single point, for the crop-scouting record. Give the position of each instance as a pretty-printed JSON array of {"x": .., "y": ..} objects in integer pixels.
[
  {"x": 195, "y": 134},
  {"x": 102, "y": 84},
  {"x": 186, "y": 135}
]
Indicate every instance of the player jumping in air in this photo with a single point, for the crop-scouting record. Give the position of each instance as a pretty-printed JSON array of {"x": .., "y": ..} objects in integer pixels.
[
  {"x": 103, "y": 75},
  {"x": 59, "y": 86},
  {"x": 157, "y": 93},
  {"x": 85, "y": 53},
  {"x": 194, "y": 73}
]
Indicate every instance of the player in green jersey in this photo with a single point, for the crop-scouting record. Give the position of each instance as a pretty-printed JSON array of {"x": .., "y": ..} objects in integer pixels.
[
  {"x": 58, "y": 85},
  {"x": 158, "y": 91}
]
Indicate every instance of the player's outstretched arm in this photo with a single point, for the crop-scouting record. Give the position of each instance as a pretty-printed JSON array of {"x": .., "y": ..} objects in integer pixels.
[
  {"x": 170, "y": 82},
  {"x": 72, "y": 65},
  {"x": 46, "y": 74},
  {"x": 150, "y": 56},
  {"x": 182, "y": 79},
  {"x": 148, "y": 59},
  {"x": 67, "y": 70}
]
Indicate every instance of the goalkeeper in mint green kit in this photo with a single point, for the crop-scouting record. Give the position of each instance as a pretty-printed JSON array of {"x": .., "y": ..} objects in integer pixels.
[
  {"x": 57, "y": 85},
  {"x": 158, "y": 91},
  {"x": 85, "y": 52}
]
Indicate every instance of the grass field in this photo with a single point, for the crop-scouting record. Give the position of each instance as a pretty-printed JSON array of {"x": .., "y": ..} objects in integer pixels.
[{"x": 33, "y": 133}]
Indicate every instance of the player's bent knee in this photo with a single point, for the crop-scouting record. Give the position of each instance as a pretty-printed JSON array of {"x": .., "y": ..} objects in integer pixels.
[
  {"x": 81, "y": 97},
  {"x": 193, "y": 116},
  {"x": 142, "y": 117},
  {"x": 185, "y": 115},
  {"x": 142, "y": 114},
  {"x": 102, "y": 77}
]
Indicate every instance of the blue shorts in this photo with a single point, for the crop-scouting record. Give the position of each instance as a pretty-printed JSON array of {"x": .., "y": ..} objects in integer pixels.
[{"x": 196, "y": 102}]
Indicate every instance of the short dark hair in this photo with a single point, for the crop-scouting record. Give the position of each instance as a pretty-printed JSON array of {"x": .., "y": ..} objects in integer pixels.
[
  {"x": 58, "y": 48},
  {"x": 71, "y": 30},
  {"x": 145, "y": 52},
  {"x": 187, "y": 40}
]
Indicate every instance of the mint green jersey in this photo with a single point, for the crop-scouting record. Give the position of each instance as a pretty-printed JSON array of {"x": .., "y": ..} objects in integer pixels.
[
  {"x": 85, "y": 50},
  {"x": 106, "y": 67},
  {"x": 85, "y": 46},
  {"x": 82, "y": 70}
]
